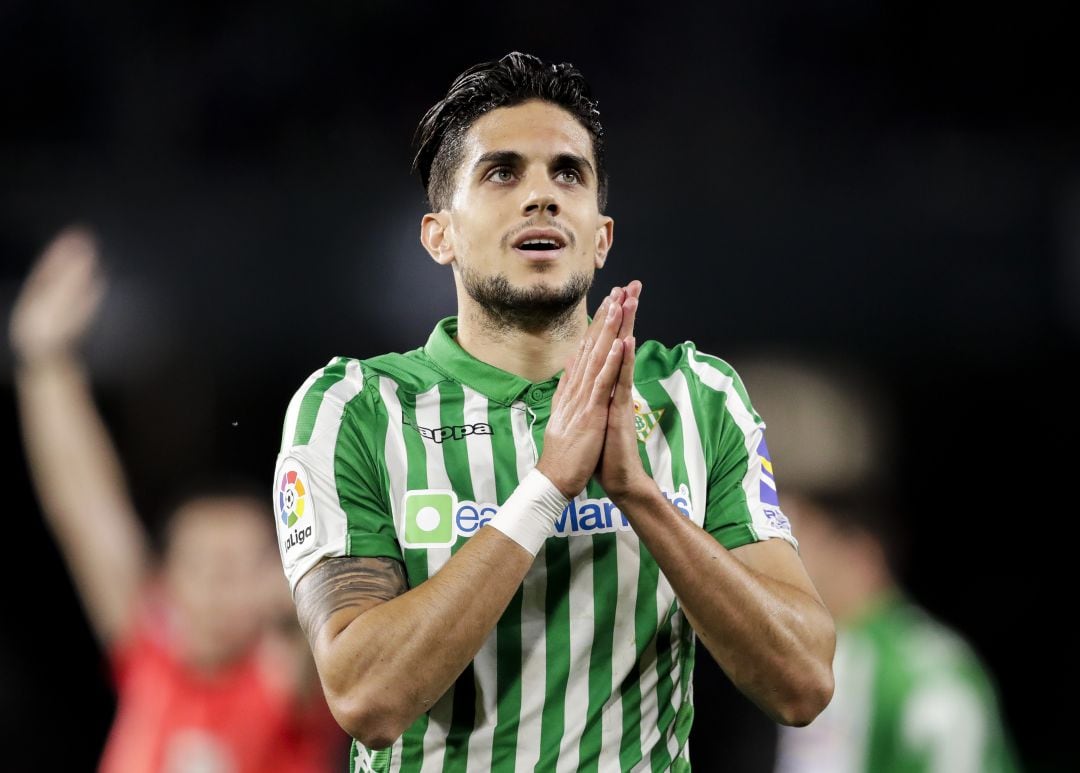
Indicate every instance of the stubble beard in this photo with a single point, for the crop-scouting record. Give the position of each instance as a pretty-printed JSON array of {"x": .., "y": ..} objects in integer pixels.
[{"x": 540, "y": 308}]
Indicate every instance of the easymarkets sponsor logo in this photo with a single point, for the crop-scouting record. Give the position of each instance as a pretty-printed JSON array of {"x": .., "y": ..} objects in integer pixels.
[{"x": 436, "y": 518}]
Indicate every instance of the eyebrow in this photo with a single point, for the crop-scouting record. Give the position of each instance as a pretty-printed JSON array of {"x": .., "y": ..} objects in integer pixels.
[
  {"x": 513, "y": 158},
  {"x": 572, "y": 160},
  {"x": 498, "y": 158}
]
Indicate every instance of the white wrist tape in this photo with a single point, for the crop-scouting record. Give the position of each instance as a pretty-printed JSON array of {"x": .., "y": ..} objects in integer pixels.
[{"x": 528, "y": 516}]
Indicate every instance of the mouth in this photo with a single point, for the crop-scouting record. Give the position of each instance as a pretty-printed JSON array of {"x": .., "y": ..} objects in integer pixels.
[{"x": 540, "y": 244}]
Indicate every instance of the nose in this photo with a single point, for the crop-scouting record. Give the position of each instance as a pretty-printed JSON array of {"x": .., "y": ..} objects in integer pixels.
[{"x": 540, "y": 201}]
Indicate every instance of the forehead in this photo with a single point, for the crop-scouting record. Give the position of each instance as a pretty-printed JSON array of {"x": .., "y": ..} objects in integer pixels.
[
  {"x": 533, "y": 129},
  {"x": 213, "y": 519}
]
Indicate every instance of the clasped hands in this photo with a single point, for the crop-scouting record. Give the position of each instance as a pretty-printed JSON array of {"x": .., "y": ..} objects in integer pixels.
[{"x": 591, "y": 430}]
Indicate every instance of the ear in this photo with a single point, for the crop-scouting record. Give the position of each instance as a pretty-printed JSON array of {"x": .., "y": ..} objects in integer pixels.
[
  {"x": 436, "y": 235},
  {"x": 605, "y": 237}
]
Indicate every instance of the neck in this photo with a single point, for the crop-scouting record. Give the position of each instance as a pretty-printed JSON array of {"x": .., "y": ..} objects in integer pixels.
[{"x": 535, "y": 355}]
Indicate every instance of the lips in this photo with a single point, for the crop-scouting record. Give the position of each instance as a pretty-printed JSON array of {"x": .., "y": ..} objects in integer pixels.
[
  {"x": 539, "y": 242},
  {"x": 540, "y": 239}
]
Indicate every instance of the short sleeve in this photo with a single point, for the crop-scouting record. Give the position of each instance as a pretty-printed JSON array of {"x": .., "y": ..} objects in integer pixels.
[
  {"x": 742, "y": 505},
  {"x": 329, "y": 498},
  {"x": 947, "y": 712}
]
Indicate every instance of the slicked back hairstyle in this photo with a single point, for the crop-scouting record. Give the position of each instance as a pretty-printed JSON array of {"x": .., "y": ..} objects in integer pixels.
[{"x": 514, "y": 79}]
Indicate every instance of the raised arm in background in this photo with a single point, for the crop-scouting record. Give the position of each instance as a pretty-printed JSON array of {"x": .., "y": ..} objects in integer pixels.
[{"x": 75, "y": 468}]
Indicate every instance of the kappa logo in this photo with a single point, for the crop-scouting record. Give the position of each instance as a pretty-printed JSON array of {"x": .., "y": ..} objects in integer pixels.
[
  {"x": 449, "y": 432},
  {"x": 645, "y": 423}
]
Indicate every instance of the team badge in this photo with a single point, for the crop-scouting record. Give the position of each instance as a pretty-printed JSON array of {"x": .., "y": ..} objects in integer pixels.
[{"x": 645, "y": 423}]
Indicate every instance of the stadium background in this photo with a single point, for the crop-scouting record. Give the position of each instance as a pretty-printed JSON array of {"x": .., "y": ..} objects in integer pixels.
[{"x": 897, "y": 183}]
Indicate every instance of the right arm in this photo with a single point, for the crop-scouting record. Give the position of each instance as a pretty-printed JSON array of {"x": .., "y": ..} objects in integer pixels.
[
  {"x": 386, "y": 654},
  {"x": 74, "y": 467}
]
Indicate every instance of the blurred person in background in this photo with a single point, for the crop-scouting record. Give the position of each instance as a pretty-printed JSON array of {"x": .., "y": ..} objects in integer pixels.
[
  {"x": 211, "y": 671},
  {"x": 911, "y": 695}
]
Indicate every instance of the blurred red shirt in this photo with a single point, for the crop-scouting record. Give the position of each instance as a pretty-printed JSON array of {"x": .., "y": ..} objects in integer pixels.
[{"x": 172, "y": 718}]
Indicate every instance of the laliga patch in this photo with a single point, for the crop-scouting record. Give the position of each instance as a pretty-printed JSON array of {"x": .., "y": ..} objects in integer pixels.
[{"x": 294, "y": 505}]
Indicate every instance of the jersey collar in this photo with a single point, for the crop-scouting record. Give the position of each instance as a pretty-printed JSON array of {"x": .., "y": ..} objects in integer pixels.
[{"x": 494, "y": 383}]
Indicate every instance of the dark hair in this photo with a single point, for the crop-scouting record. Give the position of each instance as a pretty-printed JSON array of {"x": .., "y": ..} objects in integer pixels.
[{"x": 514, "y": 79}]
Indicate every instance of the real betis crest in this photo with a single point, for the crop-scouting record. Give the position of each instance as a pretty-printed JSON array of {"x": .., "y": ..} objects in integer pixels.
[{"x": 645, "y": 423}]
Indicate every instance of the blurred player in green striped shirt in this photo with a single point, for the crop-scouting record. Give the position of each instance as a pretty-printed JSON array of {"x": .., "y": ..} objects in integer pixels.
[
  {"x": 911, "y": 695},
  {"x": 503, "y": 544}
]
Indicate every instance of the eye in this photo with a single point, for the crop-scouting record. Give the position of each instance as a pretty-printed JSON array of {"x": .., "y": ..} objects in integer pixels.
[
  {"x": 501, "y": 174},
  {"x": 570, "y": 176}
]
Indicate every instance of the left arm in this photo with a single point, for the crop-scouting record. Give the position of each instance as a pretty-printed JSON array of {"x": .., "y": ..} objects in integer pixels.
[{"x": 754, "y": 607}]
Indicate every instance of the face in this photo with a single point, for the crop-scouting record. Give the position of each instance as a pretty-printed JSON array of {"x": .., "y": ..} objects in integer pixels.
[
  {"x": 218, "y": 567},
  {"x": 523, "y": 221},
  {"x": 846, "y": 565},
  {"x": 820, "y": 546}
]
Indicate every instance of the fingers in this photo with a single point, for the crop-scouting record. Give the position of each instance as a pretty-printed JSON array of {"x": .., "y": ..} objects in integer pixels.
[
  {"x": 67, "y": 266},
  {"x": 73, "y": 249},
  {"x": 593, "y": 331},
  {"x": 607, "y": 333},
  {"x": 614, "y": 320},
  {"x": 84, "y": 297},
  {"x": 629, "y": 313},
  {"x": 59, "y": 298},
  {"x": 617, "y": 296},
  {"x": 630, "y": 306},
  {"x": 624, "y": 386},
  {"x": 601, "y": 323},
  {"x": 609, "y": 373}
]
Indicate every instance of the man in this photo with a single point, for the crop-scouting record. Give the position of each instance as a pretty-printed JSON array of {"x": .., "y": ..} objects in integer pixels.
[
  {"x": 911, "y": 695},
  {"x": 208, "y": 677},
  {"x": 501, "y": 568}
]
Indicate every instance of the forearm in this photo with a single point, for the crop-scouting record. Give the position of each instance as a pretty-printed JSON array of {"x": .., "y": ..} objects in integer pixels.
[
  {"x": 772, "y": 639},
  {"x": 385, "y": 667},
  {"x": 80, "y": 484}
]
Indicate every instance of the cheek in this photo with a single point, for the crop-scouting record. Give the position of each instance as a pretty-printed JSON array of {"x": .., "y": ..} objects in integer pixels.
[{"x": 472, "y": 238}]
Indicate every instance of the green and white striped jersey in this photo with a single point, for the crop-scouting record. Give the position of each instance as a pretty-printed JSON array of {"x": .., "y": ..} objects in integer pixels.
[
  {"x": 408, "y": 455},
  {"x": 911, "y": 697}
]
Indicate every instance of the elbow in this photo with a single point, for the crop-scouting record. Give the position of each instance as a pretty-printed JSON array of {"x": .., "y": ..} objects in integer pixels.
[
  {"x": 370, "y": 709},
  {"x": 809, "y": 701},
  {"x": 374, "y": 723},
  {"x": 813, "y": 684}
]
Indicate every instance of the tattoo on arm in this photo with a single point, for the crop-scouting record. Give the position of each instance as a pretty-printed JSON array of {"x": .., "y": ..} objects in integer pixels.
[{"x": 341, "y": 583}]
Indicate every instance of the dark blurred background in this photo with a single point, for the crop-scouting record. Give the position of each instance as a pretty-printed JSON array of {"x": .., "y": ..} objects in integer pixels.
[{"x": 895, "y": 183}]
